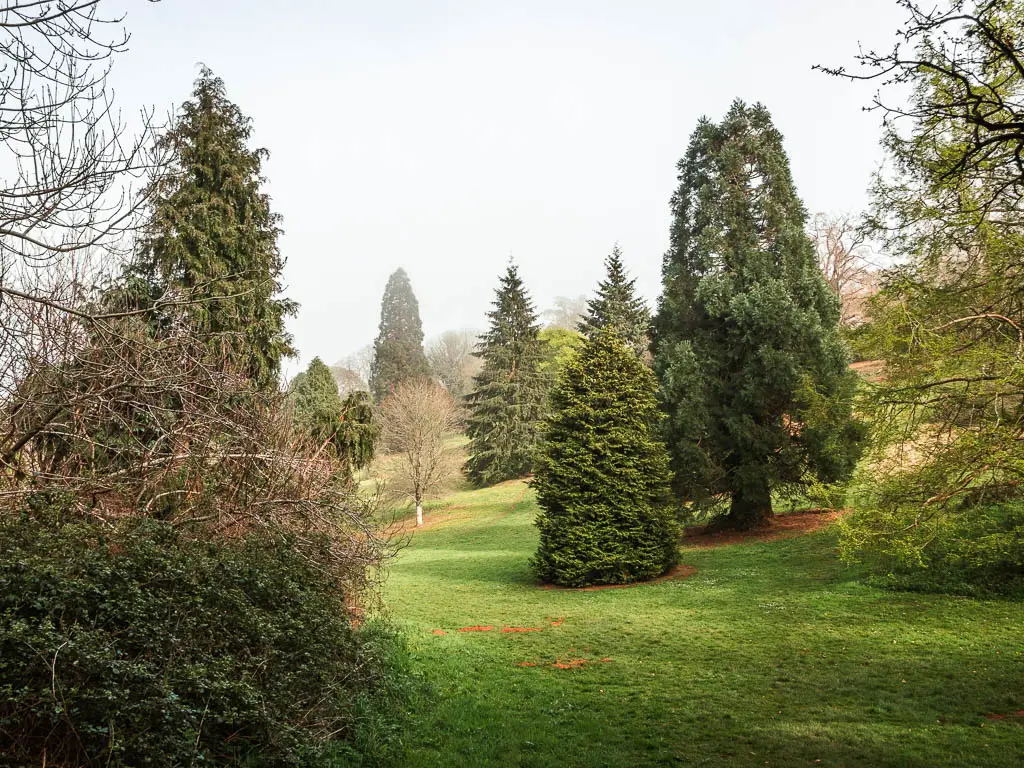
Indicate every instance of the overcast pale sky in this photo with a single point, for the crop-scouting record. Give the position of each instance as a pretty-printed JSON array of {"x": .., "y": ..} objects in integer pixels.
[{"x": 443, "y": 135}]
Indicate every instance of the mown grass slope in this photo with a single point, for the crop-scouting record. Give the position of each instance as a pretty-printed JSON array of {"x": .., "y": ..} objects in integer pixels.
[{"x": 772, "y": 654}]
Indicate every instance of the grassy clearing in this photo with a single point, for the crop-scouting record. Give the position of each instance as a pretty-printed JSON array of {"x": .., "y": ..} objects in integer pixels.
[{"x": 772, "y": 654}]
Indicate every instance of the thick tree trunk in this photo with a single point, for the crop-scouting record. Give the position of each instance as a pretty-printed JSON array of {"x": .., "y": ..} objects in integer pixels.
[
  {"x": 751, "y": 508},
  {"x": 419, "y": 514}
]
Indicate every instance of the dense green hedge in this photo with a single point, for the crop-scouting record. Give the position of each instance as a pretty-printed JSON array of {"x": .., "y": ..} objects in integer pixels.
[{"x": 137, "y": 647}]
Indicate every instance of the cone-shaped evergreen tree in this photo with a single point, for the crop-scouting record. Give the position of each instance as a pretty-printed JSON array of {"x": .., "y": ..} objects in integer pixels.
[
  {"x": 616, "y": 305},
  {"x": 753, "y": 374},
  {"x": 318, "y": 410},
  {"x": 510, "y": 395},
  {"x": 398, "y": 349},
  {"x": 316, "y": 405},
  {"x": 213, "y": 235},
  {"x": 602, "y": 475}
]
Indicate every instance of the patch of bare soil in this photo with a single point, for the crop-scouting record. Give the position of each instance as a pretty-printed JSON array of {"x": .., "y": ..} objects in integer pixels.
[
  {"x": 679, "y": 572},
  {"x": 781, "y": 527},
  {"x": 1011, "y": 716},
  {"x": 872, "y": 370},
  {"x": 566, "y": 664}
]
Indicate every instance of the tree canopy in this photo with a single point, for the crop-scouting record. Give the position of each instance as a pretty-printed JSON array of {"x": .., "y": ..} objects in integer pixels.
[
  {"x": 753, "y": 374},
  {"x": 212, "y": 236},
  {"x": 617, "y": 306},
  {"x": 511, "y": 391},
  {"x": 398, "y": 349},
  {"x": 946, "y": 466},
  {"x": 346, "y": 426}
]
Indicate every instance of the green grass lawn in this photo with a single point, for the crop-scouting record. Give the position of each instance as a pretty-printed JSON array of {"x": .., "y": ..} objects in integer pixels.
[{"x": 772, "y": 654}]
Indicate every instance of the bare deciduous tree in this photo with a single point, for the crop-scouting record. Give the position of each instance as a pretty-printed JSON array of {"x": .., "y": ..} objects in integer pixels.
[
  {"x": 566, "y": 313},
  {"x": 415, "y": 420},
  {"x": 847, "y": 262},
  {"x": 70, "y": 169},
  {"x": 129, "y": 423},
  {"x": 962, "y": 62},
  {"x": 452, "y": 360},
  {"x": 360, "y": 361},
  {"x": 348, "y": 380}
]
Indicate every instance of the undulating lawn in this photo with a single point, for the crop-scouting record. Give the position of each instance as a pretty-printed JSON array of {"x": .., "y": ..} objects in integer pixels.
[{"x": 772, "y": 654}]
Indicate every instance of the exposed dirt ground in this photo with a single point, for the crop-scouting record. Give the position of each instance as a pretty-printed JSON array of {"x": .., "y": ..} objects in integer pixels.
[{"x": 781, "y": 527}]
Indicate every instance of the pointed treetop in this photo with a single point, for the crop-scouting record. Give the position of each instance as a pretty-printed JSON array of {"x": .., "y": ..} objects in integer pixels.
[
  {"x": 398, "y": 349},
  {"x": 511, "y": 391},
  {"x": 212, "y": 232},
  {"x": 616, "y": 306}
]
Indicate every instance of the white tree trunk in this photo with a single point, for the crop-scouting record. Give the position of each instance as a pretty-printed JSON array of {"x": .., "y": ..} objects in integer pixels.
[{"x": 419, "y": 515}]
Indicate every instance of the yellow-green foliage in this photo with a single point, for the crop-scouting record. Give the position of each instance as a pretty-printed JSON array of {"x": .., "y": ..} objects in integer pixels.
[{"x": 602, "y": 474}]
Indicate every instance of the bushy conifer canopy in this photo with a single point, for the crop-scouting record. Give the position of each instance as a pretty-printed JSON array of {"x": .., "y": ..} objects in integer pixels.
[
  {"x": 213, "y": 237},
  {"x": 345, "y": 425},
  {"x": 398, "y": 349},
  {"x": 602, "y": 476},
  {"x": 753, "y": 373}
]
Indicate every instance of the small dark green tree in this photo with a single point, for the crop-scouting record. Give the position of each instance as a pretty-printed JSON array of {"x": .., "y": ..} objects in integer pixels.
[
  {"x": 602, "y": 476},
  {"x": 316, "y": 405},
  {"x": 213, "y": 237},
  {"x": 511, "y": 391},
  {"x": 398, "y": 349},
  {"x": 357, "y": 436},
  {"x": 753, "y": 373},
  {"x": 318, "y": 411},
  {"x": 616, "y": 305}
]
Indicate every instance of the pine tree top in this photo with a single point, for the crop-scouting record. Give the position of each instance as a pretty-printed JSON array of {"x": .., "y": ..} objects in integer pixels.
[
  {"x": 400, "y": 311},
  {"x": 617, "y": 306},
  {"x": 510, "y": 392},
  {"x": 513, "y": 318}
]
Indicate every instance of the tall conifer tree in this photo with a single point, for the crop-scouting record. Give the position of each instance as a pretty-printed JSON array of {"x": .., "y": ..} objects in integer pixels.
[
  {"x": 603, "y": 472},
  {"x": 617, "y": 306},
  {"x": 509, "y": 400},
  {"x": 398, "y": 349},
  {"x": 213, "y": 235},
  {"x": 753, "y": 374}
]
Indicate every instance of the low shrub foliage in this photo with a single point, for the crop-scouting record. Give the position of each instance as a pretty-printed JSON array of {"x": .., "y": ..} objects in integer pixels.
[
  {"x": 977, "y": 553},
  {"x": 136, "y": 646}
]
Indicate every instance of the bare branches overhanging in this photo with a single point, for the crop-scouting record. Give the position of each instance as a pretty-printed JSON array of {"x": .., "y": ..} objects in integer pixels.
[
  {"x": 965, "y": 65},
  {"x": 70, "y": 176}
]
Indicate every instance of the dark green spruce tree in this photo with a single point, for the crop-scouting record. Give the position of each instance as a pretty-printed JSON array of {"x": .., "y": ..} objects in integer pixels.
[
  {"x": 602, "y": 475},
  {"x": 398, "y": 349},
  {"x": 212, "y": 236},
  {"x": 346, "y": 426},
  {"x": 753, "y": 374},
  {"x": 511, "y": 391},
  {"x": 616, "y": 305},
  {"x": 316, "y": 404}
]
